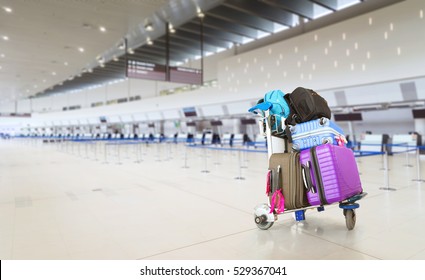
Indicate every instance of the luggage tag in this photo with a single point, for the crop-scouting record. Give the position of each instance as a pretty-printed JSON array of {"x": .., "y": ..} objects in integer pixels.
[{"x": 277, "y": 201}]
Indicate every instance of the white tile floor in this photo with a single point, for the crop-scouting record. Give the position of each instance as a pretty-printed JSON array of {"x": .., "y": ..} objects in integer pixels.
[{"x": 58, "y": 202}]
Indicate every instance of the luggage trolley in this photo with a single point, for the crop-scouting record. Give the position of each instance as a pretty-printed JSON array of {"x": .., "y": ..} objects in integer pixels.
[{"x": 264, "y": 218}]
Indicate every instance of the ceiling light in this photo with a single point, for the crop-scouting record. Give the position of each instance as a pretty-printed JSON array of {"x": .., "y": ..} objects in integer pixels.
[
  {"x": 7, "y": 9},
  {"x": 102, "y": 65},
  {"x": 53, "y": 73},
  {"x": 1, "y": 67},
  {"x": 368, "y": 55},
  {"x": 35, "y": 86},
  {"x": 344, "y": 36},
  {"x": 2, "y": 55},
  {"x": 65, "y": 63},
  {"x": 171, "y": 28},
  {"x": 80, "y": 49},
  {"x": 391, "y": 26},
  {"x": 421, "y": 14},
  {"x": 90, "y": 70},
  {"x": 102, "y": 28},
  {"x": 149, "y": 27},
  {"x": 201, "y": 14},
  {"x": 44, "y": 81},
  {"x": 330, "y": 43},
  {"x": 130, "y": 51},
  {"x": 115, "y": 58},
  {"x": 6, "y": 38},
  {"x": 149, "y": 41},
  {"x": 398, "y": 51},
  {"x": 370, "y": 21},
  {"x": 386, "y": 35}
]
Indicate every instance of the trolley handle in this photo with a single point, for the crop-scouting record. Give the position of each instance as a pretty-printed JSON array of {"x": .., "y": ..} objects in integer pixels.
[{"x": 305, "y": 169}]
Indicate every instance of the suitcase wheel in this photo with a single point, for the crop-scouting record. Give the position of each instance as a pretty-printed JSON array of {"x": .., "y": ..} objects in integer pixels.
[
  {"x": 350, "y": 218},
  {"x": 261, "y": 222}
]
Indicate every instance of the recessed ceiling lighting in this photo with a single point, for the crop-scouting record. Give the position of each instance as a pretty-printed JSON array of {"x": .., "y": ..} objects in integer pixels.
[
  {"x": 344, "y": 36},
  {"x": 370, "y": 21},
  {"x": 398, "y": 51},
  {"x": 352, "y": 67},
  {"x": 65, "y": 63},
  {"x": 326, "y": 51},
  {"x": 330, "y": 43},
  {"x": 115, "y": 58},
  {"x": 201, "y": 14},
  {"x": 421, "y": 14},
  {"x": 149, "y": 27},
  {"x": 296, "y": 49},
  {"x": 149, "y": 41},
  {"x": 130, "y": 51},
  {"x": 364, "y": 67},
  {"x": 53, "y": 73},
  {"x": 368, "y": 55},
  {"x": 7, "y": 9},
  {"x": 2, "y": 55},
  {"x": 102, "y": 65},
  {"x": 102, "y": 28},
  {"x": 385, "y": 35},
  {"x": 347, "y": 52},
  {"x": 44, "y": 81},
  {"x": 356, "y": 46},
  {"x": 1, "y": 67},
  {"x": 316, "y": 37},
  {"x": 391, "y": 26},
  {"x": 6, "y": 38},
  {"x": 80, "y": 49},
  {"x": 35, "y": 86},
  {"x": 335, "y": 63}
]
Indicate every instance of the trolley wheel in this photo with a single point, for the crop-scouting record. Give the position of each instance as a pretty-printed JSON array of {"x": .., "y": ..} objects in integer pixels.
[
  {"x": 350, "y": 218},
  {"x": 261, "y": 222}
]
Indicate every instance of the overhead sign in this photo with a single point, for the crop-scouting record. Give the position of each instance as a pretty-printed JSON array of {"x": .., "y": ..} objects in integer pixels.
[
  {"x": 146, "y": 70},
  {"x": 185, "y": 75}
]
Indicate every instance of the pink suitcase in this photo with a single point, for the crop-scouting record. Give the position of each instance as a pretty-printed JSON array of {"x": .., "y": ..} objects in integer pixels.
[{"x": 330, "y": 174}]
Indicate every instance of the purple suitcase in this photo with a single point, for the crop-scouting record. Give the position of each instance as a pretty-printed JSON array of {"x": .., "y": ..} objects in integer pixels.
[{"x": 330, "y": 174}]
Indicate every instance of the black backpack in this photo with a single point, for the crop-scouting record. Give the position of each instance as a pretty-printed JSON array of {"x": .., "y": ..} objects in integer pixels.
[{"x": 306, "y": 105}]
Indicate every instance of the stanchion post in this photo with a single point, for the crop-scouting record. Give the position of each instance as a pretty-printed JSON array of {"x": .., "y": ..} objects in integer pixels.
[
  {"x": 418, "y": 167},
  {"x": 240, "y": 167},
  {"x": 105, "y": 154},
  {"x": 118, "y": 153},
  {"x": 185, "y": 157},
  {"x": 407, "y": 157},
  {"x": 386, "y": 173},
  {"x": 205, "y": 161}
]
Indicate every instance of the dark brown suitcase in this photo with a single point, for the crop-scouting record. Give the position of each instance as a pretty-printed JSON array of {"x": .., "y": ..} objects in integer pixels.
[{"x": 293, "y": 188}]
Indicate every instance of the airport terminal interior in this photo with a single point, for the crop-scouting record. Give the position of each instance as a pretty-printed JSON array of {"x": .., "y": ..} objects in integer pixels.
[{"x": 125, "y": 130}]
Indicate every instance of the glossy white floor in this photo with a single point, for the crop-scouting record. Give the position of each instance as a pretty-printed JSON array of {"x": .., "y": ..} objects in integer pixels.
[{"x": 57, "y": 202}]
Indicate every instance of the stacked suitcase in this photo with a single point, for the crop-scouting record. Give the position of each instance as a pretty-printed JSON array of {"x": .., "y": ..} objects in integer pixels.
[{"x": 316, "y": 168}]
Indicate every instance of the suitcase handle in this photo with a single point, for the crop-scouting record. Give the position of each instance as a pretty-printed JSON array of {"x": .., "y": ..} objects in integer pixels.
[{"x": 305, "y": 169}]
